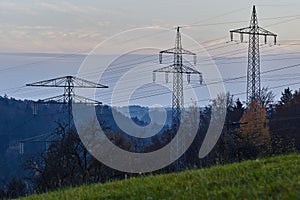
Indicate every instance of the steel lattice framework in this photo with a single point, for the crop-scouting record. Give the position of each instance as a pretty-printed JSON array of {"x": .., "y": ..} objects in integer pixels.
[
  {"x": 253, "y": 70},
  {"x": 68, "y": 83},
  {"x": 177, "y": 69},
  {"x": 67, "y": 98}
]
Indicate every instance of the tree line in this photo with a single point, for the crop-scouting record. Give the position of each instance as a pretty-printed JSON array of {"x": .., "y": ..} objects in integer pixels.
[{"x": 259, "y": 129}]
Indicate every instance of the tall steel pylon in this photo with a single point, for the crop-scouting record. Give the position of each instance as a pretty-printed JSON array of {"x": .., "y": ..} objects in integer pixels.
[
  {"x": 253, "y": 70},
  {"x": 68, "y": 83},
  {"x": 178, "y": 69},
  {"x": 67, "y": 98}
]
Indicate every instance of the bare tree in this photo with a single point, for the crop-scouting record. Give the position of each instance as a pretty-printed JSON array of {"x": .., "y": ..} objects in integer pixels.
[{"x": 266, "y": 96}]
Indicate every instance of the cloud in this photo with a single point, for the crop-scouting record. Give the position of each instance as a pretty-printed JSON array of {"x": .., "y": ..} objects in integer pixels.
[
  {"x": 8, "y": 7},
  {"x": 40, "y": 28},
  {"x": 60, "y": 7},
  {"x": 68, "y": 8},
  {"x": 24, "y": 39}
]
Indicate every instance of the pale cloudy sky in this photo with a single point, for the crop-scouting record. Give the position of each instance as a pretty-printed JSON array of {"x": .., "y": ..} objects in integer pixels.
[
  {"x": 77, "y": 26},
  {"x": 72, "y": 26}
]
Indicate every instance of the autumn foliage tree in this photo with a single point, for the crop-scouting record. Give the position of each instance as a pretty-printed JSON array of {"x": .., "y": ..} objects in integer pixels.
[{"x": 253, "y": 138}]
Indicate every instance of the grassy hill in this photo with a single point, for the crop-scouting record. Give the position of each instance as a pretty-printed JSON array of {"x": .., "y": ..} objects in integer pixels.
[{"x": 271, "y": 178}]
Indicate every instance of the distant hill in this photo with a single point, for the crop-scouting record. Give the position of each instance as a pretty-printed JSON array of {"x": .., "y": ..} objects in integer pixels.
[
  {"x": 17, "y": 122},
  {"x": 271, "y": 178}
]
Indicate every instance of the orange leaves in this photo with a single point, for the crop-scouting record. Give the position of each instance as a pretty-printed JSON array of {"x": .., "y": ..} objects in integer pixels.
[{"x": 256, "y": 132}]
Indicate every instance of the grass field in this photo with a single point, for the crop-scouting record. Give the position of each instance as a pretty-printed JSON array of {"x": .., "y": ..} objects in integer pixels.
[{"x": 270, "y": 178}]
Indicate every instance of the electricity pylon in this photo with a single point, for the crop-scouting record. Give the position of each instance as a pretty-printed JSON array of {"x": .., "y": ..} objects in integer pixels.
[
  {"x": 67, "y": 98},
  {"x": 68, "y": 83},
  {"x": 253, "y": 70},
  {"x": 178, "y": 69}
]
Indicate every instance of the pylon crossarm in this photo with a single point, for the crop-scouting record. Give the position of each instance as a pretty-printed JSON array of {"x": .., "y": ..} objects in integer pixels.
[
  {"x": 245, "y": 30},
  {"x": 60, "y": 82},
  {"x": 168, "y": 69},
  {"x": 67, "y": 98},
  {"x": 168, "y": 51},
  {"x": 35, "y": 138},
  {"x": 263, "y": 31},
  {"x": 185, "y": 70},
  {"x": 175, "y": 51},
  {"x": 187, "y": 52},
  {"x": 86, "y": 100},
  {"x": 239, "y": 30},
  {"x": 189, "y": 70},
  {"x": 53, "y": 100},
  {"x": 87, "y": 84},
  {"x": 56, "y": 82},
  {"x": 260, "y": 31},
  {"x": 60, "y": 99},
  {"x": 38, "y": 141}
]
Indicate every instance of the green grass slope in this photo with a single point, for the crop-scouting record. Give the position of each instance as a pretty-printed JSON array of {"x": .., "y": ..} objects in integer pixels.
[{"x": 271, "y": 178}]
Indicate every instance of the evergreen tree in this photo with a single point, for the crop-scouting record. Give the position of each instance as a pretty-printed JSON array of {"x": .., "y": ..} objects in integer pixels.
[
  {"x": 286, "y": 96},
  {"x": 285, "y": 126}
]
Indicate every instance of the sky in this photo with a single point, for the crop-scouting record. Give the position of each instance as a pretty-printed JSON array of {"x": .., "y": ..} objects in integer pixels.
[
  {"x": 71, "y": 26},
  {"x": 46, "y": 39}
]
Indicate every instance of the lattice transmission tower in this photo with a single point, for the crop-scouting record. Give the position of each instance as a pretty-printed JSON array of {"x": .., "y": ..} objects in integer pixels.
[
  {"x": 67, "y": 98},
  {"x": 177, "y": 68},
  {"x": 253, "y": 70}
]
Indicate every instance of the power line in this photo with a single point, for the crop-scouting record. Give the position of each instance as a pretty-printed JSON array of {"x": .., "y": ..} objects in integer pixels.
[
  {"x": 134, "y": 80},
  {"x": 253, "y": 70},
  {"x": 226, "y": 80},
  {"x": 84, "y": 51},
  {"x": 225, "y": 58},
  {"x": 216, "y": 39},
  {"x": 42, "y": 61},
  {"x": 294, "y": 17}
]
